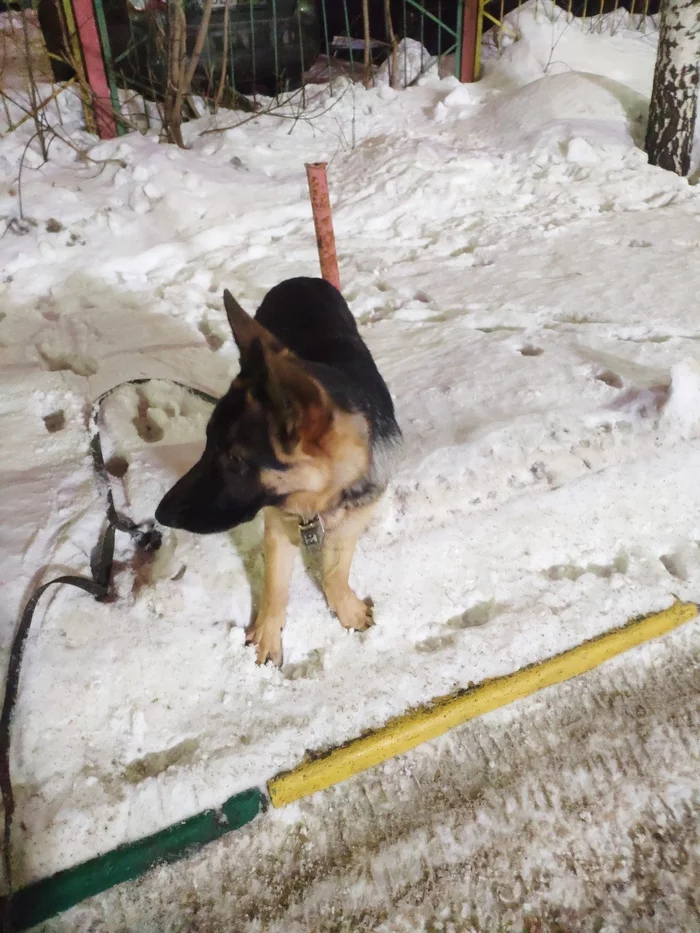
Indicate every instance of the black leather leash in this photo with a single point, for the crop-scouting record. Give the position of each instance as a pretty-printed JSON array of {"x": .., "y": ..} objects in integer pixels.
[{"x": 146, "y": 537}]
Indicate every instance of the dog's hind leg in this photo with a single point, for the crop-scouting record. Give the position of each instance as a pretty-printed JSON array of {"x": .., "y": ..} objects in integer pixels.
[
  {"x": 338, "y": 550},
  {"x": 280, "y": 549}
]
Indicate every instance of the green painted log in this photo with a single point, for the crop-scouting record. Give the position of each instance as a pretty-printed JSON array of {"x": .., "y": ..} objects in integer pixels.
[{"x": 51, "y": 896}]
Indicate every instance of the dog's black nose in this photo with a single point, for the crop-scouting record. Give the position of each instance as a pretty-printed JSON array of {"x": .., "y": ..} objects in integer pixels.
[{"x": 167, "y": 513}]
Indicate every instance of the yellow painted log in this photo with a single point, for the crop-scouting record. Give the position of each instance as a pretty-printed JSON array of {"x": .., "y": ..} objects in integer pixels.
[{"x": 420, "y": 725}]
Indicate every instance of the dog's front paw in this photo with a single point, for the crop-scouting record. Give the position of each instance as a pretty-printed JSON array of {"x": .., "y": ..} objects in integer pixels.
[
  {"x": 267, "y": 638},
  {"x": 355, "y": 613}
]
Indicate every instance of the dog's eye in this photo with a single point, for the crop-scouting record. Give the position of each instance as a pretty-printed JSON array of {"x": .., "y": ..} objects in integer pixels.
[{"x": 237, "y": 463}]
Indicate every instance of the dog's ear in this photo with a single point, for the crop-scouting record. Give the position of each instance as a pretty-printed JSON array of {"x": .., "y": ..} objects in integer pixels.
[
  {"x": 299, "y": 407},
  {"x": 244, "y": 328},
  {"x": 266, "y": 385}
]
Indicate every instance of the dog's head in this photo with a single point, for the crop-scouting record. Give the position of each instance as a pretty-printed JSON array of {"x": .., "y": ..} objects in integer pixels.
[{"x": 275, "y": 438}]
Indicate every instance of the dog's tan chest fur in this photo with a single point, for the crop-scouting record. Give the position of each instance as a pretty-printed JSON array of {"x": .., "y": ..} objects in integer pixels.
[{"x": 316, "y": 477}]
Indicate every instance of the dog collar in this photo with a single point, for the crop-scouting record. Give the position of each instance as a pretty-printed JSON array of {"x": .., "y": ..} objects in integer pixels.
[
  {"x": 311, "y": 533},
  {"x": 359, "y": 494}
]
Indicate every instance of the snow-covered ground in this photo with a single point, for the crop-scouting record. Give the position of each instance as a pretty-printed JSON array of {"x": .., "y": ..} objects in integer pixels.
[
  {"x": 575, "y": 811},
  {"x": 528, "y": 285}
]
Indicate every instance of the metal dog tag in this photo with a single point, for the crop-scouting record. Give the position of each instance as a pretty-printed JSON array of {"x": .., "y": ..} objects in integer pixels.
[{"x": 312, "y": 533}]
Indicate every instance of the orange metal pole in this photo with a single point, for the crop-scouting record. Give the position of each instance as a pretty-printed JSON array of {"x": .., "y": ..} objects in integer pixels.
[{"x": 323, "y": 221}]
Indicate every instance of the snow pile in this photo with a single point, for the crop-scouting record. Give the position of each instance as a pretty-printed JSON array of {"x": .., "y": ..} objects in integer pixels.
[
  {"x": 682, "y": 413},
  {"x": 412, "y": 61},
  {"x": 580, "y": 113},
  {"x": 527, "y": 284}
]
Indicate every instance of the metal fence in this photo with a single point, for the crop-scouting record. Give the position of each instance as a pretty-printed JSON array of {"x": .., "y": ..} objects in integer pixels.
[
  {"x": 495, "y": 24},
  {"x": 260, "y": 46},
  {"x": 227, "y": 53}
]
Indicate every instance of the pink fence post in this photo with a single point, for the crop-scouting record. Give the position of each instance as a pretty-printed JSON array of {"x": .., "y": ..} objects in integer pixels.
[
  {"x": 95, "y": 68},
  {"x": 323, "y": 221}
]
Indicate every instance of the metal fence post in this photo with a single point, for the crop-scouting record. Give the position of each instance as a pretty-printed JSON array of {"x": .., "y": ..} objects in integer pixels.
[
  {"x": 469, "y": 41},
  {"x": 95, "y": 68},
  {"x": 109, "y": 64}
]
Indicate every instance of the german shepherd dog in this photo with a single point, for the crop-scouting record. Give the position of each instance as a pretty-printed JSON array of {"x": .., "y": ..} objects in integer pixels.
[{"x": 306, "y": 432}]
